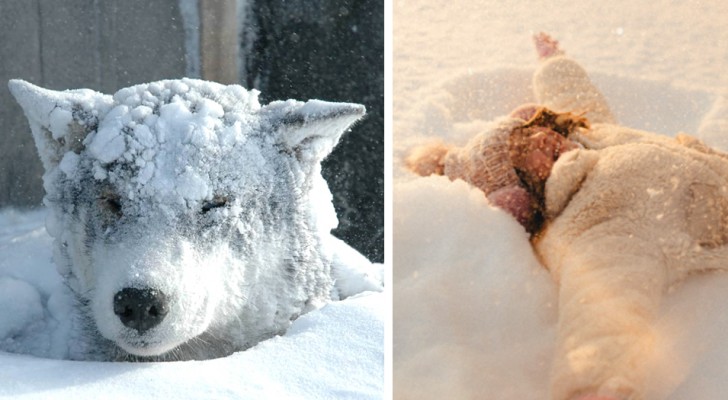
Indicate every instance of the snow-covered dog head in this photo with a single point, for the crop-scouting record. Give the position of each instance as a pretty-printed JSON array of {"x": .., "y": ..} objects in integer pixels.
[{"x": 187, "y": 218}]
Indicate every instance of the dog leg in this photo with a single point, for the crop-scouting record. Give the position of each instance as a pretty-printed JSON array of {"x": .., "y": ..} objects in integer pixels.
[
  {"x": 428, "y": 159},
  {"x": 610, "y": 289},
  {"x": 561, "y": 84}
]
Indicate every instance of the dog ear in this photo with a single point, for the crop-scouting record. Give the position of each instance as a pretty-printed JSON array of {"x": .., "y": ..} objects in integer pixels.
[
  {"x": 60, "y": 121},
  {"x": 310, "y": 130}
]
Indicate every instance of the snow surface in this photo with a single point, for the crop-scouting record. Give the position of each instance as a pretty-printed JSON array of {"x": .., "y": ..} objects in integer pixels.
[
  {"x": 332, "y": 353},
  {"x": 474, "y": 312}
]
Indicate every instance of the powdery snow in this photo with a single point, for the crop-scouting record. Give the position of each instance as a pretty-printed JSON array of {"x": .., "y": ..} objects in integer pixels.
[
  {"x": 23, "y": 306},
  {"x": 332, "y": 353},
  {"x": 474, "y": 313}
]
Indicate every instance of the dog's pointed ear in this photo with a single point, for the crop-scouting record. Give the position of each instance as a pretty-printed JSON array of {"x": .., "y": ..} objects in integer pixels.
[
  {"x": 60, "y": 121},
  {"x": 310, "y": 130}
]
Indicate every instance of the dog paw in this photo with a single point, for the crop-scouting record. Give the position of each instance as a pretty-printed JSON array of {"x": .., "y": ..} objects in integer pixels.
[
  {"x": 546, "y": 46},
  {"x": 428, "y": 160}
]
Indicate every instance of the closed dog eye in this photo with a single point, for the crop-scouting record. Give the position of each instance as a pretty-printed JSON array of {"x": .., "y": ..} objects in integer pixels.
[
  {"x": 111, "y": 204},
  {"x": 216, "y": 202}
]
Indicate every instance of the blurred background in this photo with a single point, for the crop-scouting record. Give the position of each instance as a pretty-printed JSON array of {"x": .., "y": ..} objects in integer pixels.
[{"x": 301, "y": 49}]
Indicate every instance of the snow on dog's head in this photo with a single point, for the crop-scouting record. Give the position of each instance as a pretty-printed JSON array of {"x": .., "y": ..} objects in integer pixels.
[{"x": 187, "y": 218}]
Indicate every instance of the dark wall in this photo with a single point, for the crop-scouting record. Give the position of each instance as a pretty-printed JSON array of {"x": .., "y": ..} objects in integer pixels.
[{"x": 330, "y": 50}]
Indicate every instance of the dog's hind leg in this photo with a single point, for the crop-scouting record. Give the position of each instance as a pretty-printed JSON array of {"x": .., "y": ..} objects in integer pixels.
[
  {"x": 610, "y": 289},
  {"x": 561, "y": 84}
]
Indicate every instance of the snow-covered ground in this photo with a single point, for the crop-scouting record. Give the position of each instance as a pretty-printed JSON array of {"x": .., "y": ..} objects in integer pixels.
[
  {"x": 474, "y": 312},
  {"x": 332, "y": 353}
]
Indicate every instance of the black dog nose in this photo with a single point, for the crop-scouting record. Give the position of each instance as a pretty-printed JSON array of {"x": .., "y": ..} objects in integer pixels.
[{"x": 140, "y": 309}]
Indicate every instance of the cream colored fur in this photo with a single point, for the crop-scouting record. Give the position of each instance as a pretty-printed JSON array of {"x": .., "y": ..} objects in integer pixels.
[
  {"x": 629, "y": 215},
  {"x": 562, "y": 85}
]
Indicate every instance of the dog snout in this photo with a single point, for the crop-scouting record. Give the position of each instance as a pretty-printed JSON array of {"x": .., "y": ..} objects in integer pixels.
[{"x": 141, "y": 309}]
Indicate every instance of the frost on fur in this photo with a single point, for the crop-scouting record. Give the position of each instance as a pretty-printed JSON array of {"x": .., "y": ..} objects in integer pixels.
[{"x": 189, "y": 220}]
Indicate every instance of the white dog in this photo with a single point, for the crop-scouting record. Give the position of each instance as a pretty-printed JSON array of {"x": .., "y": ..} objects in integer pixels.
[{"x": 189, "y": 221}]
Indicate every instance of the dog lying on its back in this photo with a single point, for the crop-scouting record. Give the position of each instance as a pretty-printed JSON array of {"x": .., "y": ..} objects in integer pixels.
[
  {"x": 189, "y": 221},
  {"x": 625, "y": 215}
]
